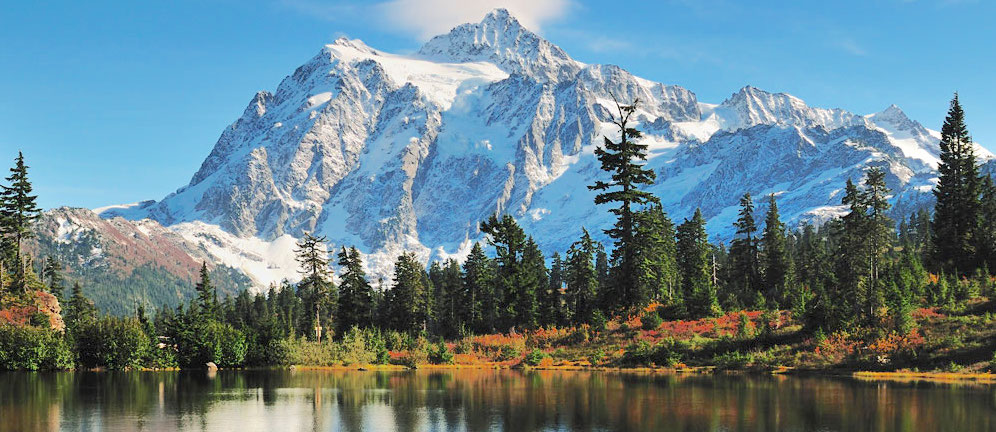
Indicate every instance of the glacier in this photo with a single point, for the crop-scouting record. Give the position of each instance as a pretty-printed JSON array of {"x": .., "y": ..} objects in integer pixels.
[{"x": 395, "y": 153}]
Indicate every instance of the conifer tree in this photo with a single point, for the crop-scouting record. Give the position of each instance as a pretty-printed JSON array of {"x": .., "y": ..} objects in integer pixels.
[
  {"x": 956, "y": 213},
  {"x": 551, "y": 310},
  {"x": 52, "y": 273},
  {"x": 448, "y": 298},
  {"x": 777, "y": 261},
  {"x": 478, "y": 283},
  {"x": 355, "y": 305},
  {"x": 582, "y": 280},
  {"x": 79, "y": 309},
  {"x": 207, "y": 294},
  {"x": 408, "y": 299},
  {"x": 316, "y": 287},
  {"x": 696, "y": 267},
  {"x": 744, "y": 269},
  {"x": 514, "y": 290},
  {"x": 657, "y": 273},
  {"x": 986, "y": 235},
  {"x": 18, "y": 210},
  {"x": 534, "y": 280},
  {"x": 851, "y": 264},
  {"x": 623, "y": 160}
]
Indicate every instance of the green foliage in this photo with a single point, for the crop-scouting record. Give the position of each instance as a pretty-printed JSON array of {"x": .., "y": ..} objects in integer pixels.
[
  {"x": 651, "y": 321},
  {"x": 535, "y": 357},
  {"x": 200, "y": 342},
  {"x": 111, "y": 342},
  {"x": 33, "y": 348},
  {"x": 441, "y": 354},
  {"x": 623, "y": 161},
  {"x": 957, "y": 210}
]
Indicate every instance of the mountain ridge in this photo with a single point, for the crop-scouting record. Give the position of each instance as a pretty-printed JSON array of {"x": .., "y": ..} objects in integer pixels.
[{"x": 399, "y": 153}]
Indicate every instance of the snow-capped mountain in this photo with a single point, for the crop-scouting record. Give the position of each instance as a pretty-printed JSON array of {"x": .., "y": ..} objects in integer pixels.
[{"x": 409, "y": 152}]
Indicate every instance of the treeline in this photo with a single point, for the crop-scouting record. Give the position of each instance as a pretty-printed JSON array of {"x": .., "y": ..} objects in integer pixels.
[{"x": 861, "y": 269}]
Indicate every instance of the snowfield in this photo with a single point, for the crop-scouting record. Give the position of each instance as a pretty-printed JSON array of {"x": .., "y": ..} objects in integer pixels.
[{"x": 395, "y": 153}]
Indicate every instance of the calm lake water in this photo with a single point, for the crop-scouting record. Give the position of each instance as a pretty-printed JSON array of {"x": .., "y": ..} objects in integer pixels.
[{"x": 462, "y": 400}]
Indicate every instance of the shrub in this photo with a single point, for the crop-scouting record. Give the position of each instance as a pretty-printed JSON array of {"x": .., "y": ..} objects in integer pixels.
[
  {"x": 535, "y": 357},
  {"x": 111, "y": 342},
  {"x": 744, "y": 327},
  {"x": 358, "y": 347},
  {"x": 418, "y": 354},
  {"x": 596, "y": 357},
  {"x": 651, "y": 321},
  {"x": 509, "y": 352},
  {"x": 301, "y": 351},
  {"x": 33, "y": 348},
  {"x": 211, "y": 341},
  {"x": 731, "y": 360},
  {"x": 440, "y": 354},
  {"x": 598, "y": 321}
]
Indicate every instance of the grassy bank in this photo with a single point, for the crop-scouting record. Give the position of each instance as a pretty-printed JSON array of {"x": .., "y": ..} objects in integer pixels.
[{"x": 955, "y": 343}]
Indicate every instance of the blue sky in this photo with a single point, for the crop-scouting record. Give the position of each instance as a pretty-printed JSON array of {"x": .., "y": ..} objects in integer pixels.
[{"x": 116, "y": 102}]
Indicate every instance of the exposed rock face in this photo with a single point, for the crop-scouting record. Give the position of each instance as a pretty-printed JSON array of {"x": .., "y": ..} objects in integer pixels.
[
  {"x": 393, "y": 153},
  {"x": 40, "y": 303}
]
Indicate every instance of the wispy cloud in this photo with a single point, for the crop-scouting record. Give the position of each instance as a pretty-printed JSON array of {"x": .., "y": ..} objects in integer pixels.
[
  {"x": 849, "y": 46},
  {"x": 426, "y": 18}
]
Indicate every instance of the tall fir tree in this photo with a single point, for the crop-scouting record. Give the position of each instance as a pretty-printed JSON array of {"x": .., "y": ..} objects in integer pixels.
[
  {"x": 478, "y": 282},
  {"x": 551, "y": 301},
  {"x": 581, "y": 279},
  {"x": 778, "y": 277},
  {"x": 448, "y": 297},
  {"x": 695, "y": 262},
  {"x": 657, "y": 273},
  {"x": 744, "y": 267},
  {"x": 355, "y": 307},
  {"x": 52, "y": 274},
  {"x": 408, "y": 299},
  {"x": 517, "y": 294},
  {"x": 957, "y": 211},
  {"x": 207, "y": 294},
  {"x": 18, "y": 211},
  {"x": 316, "y": 288},
  {"x": 985, "y": 237},
  {"x": 623, "y": 160}
]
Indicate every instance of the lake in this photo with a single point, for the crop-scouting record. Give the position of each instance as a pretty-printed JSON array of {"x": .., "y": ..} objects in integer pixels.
[{"x": 471, "y": 400}]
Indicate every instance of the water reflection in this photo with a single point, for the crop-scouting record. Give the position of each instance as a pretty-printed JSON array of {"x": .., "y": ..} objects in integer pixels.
[{"x": 471, "y": 400}]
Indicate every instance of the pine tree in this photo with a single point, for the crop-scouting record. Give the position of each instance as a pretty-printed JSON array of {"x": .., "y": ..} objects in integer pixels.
[
  {"x": 448, "y": 298},
  {"x": 622, "y": 160},
  {"x": 355, "y": 293},
  {"x": 986, "y": 235},
  {"x": 18, "y": 210},
  {"x": 478, "y": 283},
  {"x": 316, "y": 287},
  {"x": 657, "y": 273},
  {"x": 695, "y": 262},
  {"x": 851, "y": 261},
  {"x": 207, "y": 294},
  {"x": 879, "y": 232},
  {"x": 509, "y": 242},
  {"x": 52, "y": 273},
  {"x": 777, "y": 261},
  {"x": 408, "y": 299},
  {"x": 956, "y": 213},
  {"x": 744, "y": 270},
  {"x": 582, "y": 280},
  {"x": 551, "y": 302},
  {"x": 79, "y": 309},
  {"x": 534, "y": 281}
]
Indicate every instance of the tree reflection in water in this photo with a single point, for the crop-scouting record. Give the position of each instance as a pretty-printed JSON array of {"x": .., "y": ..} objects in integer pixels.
[{"x": 471, "y": 400}]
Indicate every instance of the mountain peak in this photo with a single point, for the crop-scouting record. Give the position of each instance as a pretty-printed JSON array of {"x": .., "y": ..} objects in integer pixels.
[{"x": 500, "y": 39}]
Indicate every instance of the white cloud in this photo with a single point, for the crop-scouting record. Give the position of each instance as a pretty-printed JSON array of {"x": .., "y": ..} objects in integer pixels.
[{"x": 427, "y": 18}]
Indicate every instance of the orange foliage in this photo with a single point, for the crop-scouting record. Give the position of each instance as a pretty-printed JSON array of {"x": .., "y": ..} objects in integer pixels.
[{"x": 923, "y": 313}]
